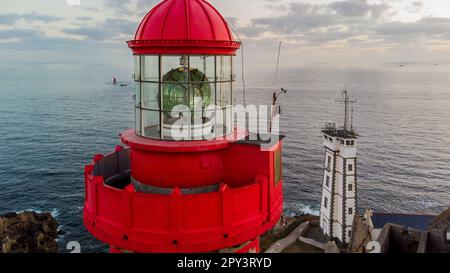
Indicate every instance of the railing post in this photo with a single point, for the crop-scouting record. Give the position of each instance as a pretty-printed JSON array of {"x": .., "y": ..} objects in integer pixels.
[
  {"x": 226, "y": 211},
  {"x": 87, "y": 172},
  {"x": 264, "y": 200},
  {"x": 175, "y": 215},
  {"x": 127, "y": 195},
  {"x": 118, "y": 151},
  {"x": 97, "y": 183},
  {"x": 98, "y": 164}
]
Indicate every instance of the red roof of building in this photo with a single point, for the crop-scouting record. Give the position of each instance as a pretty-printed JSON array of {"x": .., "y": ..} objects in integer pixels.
[{"x": 184, "y": 27}]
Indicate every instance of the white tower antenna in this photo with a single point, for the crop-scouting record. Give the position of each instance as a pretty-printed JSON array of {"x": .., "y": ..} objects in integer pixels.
[{"x": 347, "y": 105}]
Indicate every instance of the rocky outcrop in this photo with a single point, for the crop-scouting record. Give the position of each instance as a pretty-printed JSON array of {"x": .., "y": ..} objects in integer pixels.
[
  {"x": 28, "y": 232},
  {"x": 437, "y": 231},
  {"x": 361, "y": 236},
  {"x": 284, "y": 227}
]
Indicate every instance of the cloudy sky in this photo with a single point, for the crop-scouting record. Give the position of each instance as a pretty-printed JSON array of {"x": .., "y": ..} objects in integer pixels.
[{"x": 312, "y": 31}]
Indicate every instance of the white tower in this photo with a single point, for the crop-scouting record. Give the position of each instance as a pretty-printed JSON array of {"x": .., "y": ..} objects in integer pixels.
[{"x": 339, "y": 188}]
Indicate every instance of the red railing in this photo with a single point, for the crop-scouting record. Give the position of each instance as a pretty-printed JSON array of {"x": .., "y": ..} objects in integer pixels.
[{"x": 145, "y": 222}]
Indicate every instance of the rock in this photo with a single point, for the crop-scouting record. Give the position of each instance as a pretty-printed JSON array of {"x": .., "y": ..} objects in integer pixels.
[
  {"x": 28, "y": 232},
  {"x": 283, "y": 228},
  {"x": 361, "y": 236},
  {"x": 437, "y": 231}
]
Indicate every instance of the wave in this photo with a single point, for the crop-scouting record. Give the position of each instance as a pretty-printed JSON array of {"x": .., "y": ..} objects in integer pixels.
[
  {"x": 55, "y": 212},
  {"x": 293, "y": 209}
]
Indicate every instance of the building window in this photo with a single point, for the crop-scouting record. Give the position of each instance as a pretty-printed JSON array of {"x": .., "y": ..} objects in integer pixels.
[
  {"x": 349, "y": 234},
  {"x": 350, "y": 210},
  {"x": 350, "y": 187},
  {"x": 327, "y": 181},
  {"x": 329, "y": 163},
  {"x": 350, "y": 168},
  {"x": 325, "y": 203},
  {"x": 342, "y": 142}
]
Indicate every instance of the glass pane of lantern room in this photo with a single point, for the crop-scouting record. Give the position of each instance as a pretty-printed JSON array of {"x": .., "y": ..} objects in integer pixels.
[
  {"x": 137, "y": 67},
  {"x": 202, "y": 95},
  {"x": 202, "y": 125},
  {"x": 219, "y": 123},
  {"x": 150, "y": 96},
  {"x": 205, "y": 65},
  {"x": 150, "y": 124},
  {"x": 202, "y": 85},
  {"x": 177, "y": 124},
  {"x": 224, "y": 68},
  {"x": 174, "y": 68},
  {"x": 175, "y": 94},
  {"x": 137, "y": 94},
  {"x": 138, "y": 121},
  {"x": 224, "y": 95},
  {"x": 228, "y": 120},
  {"x": 150, "y": 68}
]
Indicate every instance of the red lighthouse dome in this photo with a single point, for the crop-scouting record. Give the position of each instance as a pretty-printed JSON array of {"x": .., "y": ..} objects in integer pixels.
[{"x": 184, "y": 26}]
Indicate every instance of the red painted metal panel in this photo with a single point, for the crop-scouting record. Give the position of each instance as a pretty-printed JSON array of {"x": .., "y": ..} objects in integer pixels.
[
  {"x": 185, "y": 170},
  {"x": 150, "y": 211},
  {"x": 209, "y": 205}
]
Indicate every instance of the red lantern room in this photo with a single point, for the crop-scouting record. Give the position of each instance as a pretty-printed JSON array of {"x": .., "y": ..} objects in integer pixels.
[{"x": 189, "y": 180}]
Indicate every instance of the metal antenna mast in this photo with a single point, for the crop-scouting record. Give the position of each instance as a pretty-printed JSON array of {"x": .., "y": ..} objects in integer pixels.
[
  {"x": 347, "y": 103},
  {"x": 278, "y": 61}
]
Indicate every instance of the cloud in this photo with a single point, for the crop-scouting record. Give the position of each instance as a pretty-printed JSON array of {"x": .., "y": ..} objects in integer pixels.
[
  {"x": 348, "y": 22},
  {"x": 359, "y": 8},
  {"x": 84, "y": 18},
  {"x": 20, "y": 33},
  {"x": 109, "y": 29},
  {"x": 128, "y": 7},
  {"x": 12, "y": 18},
  {"x": 299, "y": 19},
  {"x": 426, "y": 28}
]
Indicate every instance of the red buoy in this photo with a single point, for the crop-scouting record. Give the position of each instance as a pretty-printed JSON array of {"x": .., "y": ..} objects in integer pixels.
[{"x": 188, "y": 180}]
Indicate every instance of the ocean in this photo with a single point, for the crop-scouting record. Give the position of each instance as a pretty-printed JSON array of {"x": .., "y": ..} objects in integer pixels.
[{"x": 55, "y": 117}]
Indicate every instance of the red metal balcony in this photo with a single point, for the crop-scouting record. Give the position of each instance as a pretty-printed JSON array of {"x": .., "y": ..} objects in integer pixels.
[{"x": 121, "y": 217}]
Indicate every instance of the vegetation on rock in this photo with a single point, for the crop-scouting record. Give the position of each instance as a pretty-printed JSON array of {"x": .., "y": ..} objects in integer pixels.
[{"x": 28, "y": 232}]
